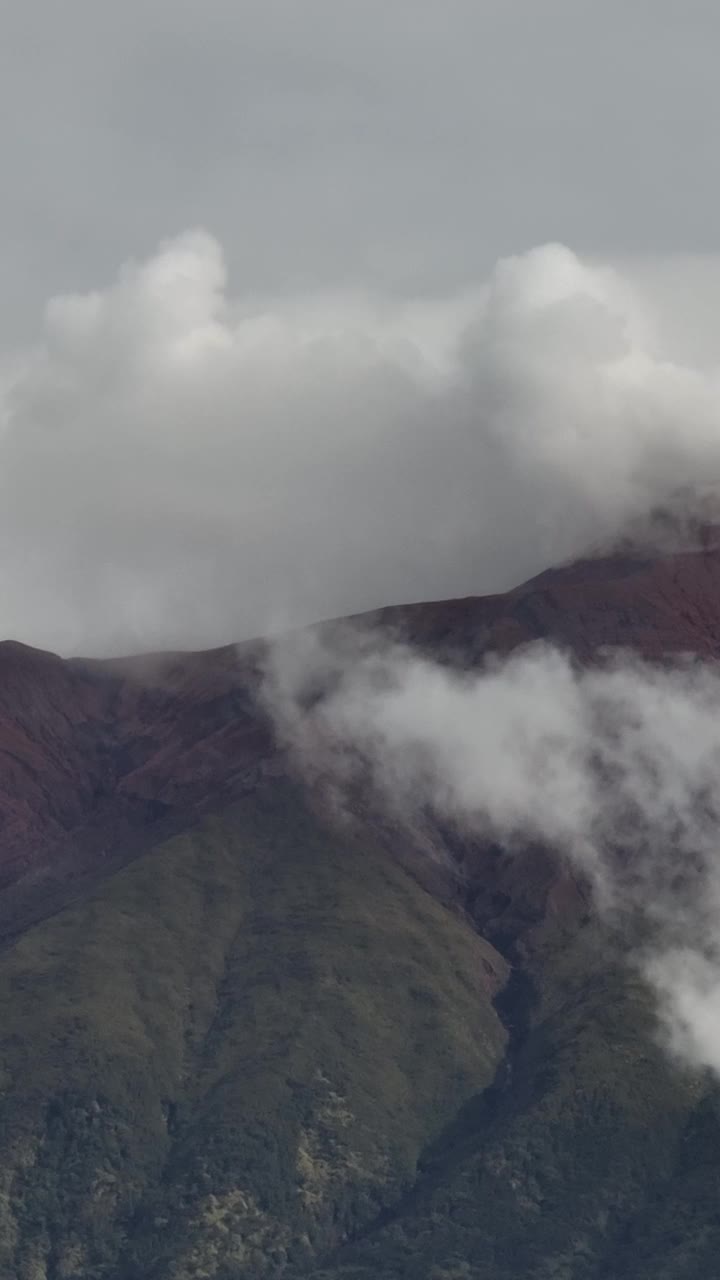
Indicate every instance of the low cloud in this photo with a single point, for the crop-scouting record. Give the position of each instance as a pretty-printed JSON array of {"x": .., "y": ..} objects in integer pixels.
[
  {"x": 617, "y": 768},
  {"x": 181, "y": 467}
]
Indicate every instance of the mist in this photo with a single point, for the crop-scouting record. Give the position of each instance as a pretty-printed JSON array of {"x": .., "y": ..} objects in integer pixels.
[{"x": 616, "y": 768}]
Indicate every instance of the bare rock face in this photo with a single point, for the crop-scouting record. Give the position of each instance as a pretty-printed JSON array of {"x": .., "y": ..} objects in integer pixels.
[
  {"x": 53, "y": 765},
  {"x": 655, "y": 605},
  {"x": 97, "y": 757}
]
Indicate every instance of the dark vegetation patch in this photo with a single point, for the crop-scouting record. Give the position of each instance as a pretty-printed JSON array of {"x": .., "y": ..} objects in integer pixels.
[{"x": 231, "y": 1056}]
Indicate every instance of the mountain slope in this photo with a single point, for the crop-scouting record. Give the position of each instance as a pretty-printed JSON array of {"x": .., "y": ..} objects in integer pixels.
[
  {"x": 596, "y": 1160},
  {"x": 655, "y": 604},
  {"x": 240, "y": 1038},
  {"x": 232, "y": 1053},
  {"x": 99, "y": 758}
]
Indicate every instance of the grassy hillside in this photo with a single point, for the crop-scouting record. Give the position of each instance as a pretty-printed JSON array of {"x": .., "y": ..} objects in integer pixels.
[
  {"x": 231, "y": 1056},
  {"x": 597, "y": 1160},
  {"x": 263, "y": 1050}
]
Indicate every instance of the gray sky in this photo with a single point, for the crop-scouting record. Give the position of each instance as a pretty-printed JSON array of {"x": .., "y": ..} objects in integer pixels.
[
  {"x": 331, "y": 397},
  {"x": 405, "y": 144}
]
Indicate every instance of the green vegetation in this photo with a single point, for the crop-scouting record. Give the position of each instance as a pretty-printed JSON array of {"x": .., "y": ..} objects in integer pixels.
[
  {"x": 263, "y": 1050},
  {"x": 231, "y": 1056},
  {"x": 580, "y": 1168}
]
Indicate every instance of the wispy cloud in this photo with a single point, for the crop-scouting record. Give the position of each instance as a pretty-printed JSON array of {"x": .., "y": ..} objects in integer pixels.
[{"x": 616, "y": 768}]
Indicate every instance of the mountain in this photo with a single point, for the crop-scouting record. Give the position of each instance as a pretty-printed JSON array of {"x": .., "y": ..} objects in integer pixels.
[{"x": 241, "y": 1036}]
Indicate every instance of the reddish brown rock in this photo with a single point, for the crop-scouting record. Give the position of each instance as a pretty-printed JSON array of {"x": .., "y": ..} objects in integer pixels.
[
  {"x": 97, "y": 758},
  {"x": 655, "y": 606}
]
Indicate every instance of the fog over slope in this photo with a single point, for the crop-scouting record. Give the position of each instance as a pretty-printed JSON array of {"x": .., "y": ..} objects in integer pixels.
[
  {"x": 182, "y": 466},
  {"x": 616, "y": 767}
]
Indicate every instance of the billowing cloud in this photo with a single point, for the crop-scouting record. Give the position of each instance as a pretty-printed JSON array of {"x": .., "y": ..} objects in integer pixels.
[
  {"x": 183, "y": 466},
  {"x": 617, "y": 768}
]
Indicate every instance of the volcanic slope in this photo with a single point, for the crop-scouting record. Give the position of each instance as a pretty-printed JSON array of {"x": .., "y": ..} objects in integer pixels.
[
  {"x": 230, "y": 1056},
  {"x": 239, "y": 1039}
]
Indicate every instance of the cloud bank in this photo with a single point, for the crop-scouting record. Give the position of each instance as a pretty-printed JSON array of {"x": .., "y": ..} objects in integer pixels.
[
  {"x": 617, "y": 768},
  {"x": 180, "y": 466}
]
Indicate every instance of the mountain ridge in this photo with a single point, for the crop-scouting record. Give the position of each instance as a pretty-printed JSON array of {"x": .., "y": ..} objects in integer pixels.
[
  {"x": 243, "y": 1039},
  {"x": 97, "y": 754}
]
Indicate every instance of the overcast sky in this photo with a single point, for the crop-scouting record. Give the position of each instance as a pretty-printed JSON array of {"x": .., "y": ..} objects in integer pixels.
[
  {"x": 310, "y": 406},
  {"x": 402, "y": 143}
]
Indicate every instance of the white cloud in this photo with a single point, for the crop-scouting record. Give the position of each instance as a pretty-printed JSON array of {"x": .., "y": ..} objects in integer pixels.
[
  {"x": 617, "y": 768},
  {"x": 179, "y": 465}
]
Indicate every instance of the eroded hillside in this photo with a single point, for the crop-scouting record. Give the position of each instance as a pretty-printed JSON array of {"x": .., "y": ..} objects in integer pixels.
[{"x": 241, "y": 1038}]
